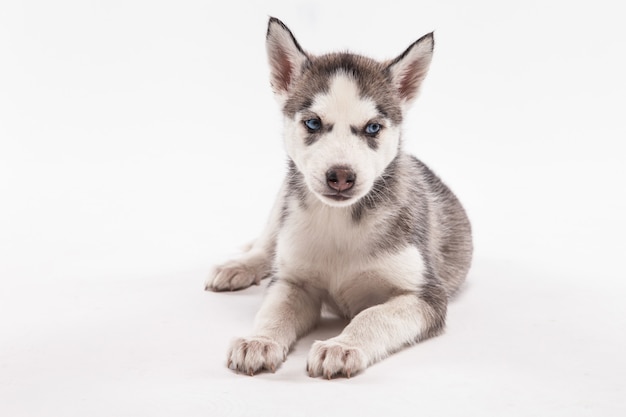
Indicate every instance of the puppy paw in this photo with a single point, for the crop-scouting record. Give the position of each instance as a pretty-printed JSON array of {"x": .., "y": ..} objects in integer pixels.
[
  {"x": 238, "y": 274},
  {"x": 329, "y": 359},
  {"x": 255, "y": 354}
]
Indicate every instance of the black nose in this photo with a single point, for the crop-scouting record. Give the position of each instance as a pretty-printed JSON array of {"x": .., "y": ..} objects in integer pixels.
[{"x": 340, "y": 178}]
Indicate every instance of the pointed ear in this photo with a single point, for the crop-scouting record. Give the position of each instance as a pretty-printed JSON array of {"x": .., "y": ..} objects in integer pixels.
[
  {"x": 285, "y": 55},
  {"x": 409, "y": 69}
]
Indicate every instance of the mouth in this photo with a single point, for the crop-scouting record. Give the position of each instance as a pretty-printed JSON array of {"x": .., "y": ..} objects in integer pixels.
[{"x": 338, "y": 197}]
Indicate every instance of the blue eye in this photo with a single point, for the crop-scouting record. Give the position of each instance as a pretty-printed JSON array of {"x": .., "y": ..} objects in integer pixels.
[
  {"x": 313, "y": 124},
  {"x": 372, "y": 128}
]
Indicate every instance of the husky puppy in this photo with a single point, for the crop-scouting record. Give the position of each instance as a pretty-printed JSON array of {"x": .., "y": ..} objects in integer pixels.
[{"x": 359, "y": 226}]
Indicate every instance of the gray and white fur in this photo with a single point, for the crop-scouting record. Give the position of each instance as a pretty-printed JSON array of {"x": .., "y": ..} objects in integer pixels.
[{"x": 359, "y": 226}]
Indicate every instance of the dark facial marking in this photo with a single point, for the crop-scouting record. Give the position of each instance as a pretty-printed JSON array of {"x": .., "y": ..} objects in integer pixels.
[
  {"x": 370, "y": 138},
  {"x": 383, "y": 191},
  {"x": 372, "y": 78},
  {"x": 382, "y": 112},
  {"x": 313, "y": 136},
  {"x": 295, "y": 183}
]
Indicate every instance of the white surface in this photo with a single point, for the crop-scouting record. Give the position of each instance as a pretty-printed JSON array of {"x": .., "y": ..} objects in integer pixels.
[{"x": 139, "y": 144}]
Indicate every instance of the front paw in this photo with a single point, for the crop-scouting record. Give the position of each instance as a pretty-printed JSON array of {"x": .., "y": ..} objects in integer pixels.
[
  {"x": 255, "y": 354},
  {"x": 237, "y": 274},
  {"x": 329, "y": 358}
]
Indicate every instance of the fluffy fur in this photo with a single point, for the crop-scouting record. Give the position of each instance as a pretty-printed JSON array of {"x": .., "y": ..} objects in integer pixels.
[{"x": 359, "y": 226}]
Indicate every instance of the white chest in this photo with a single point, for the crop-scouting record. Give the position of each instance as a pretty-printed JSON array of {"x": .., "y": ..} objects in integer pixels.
[
  {"x": 325, "y": 249},
  {"x": 322, "y": 241}
]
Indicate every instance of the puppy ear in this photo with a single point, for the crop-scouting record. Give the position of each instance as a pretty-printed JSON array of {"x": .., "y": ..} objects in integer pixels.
[
  {"x": 409, "y": 69},
  {"x": 285, "y": 55}
]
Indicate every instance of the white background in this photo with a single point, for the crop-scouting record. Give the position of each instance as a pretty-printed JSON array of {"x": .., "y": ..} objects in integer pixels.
[{"x": 140, "y": 144}]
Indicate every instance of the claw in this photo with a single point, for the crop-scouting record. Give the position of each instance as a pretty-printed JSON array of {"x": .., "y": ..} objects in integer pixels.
[
  {"x": 348, "y": 373},
  {"x": 250, "y": 372},
  {"x": 273, "y": 368}
]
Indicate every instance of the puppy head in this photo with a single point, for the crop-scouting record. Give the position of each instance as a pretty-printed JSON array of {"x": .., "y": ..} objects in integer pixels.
[{"x": 342, "y": 111}]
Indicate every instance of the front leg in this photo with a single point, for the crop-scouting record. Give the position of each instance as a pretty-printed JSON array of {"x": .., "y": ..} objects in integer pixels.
[
  {"x": 288, "y": 312},
  {"x": 378, "y": 331}
]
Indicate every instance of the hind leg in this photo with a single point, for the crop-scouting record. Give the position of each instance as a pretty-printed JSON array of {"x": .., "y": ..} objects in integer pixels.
[
  {"x": 255, "y": 264},
  {"x": 240, "y": 273}
]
